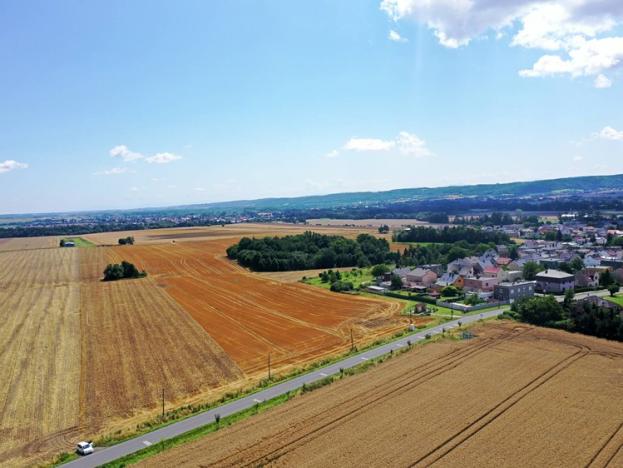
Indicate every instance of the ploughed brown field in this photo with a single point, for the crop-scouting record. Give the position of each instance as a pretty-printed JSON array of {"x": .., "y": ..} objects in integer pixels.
[
  {"x": 82, "y": 358},
  {"x": 513, "y": 396}
]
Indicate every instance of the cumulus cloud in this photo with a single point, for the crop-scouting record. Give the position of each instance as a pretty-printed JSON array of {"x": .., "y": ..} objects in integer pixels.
[
  {"x": 396, "y": 37},
  {"x": 412, "y": 145},
  {"x": 580, "y": 32},
  {"x": 406, "y": 143},
  {"x": 162, "y": 158},
  {"x": 609, "y": 133},
  {"x": 602, "y": 82},
  {"x": 123, "y": 152},
  {"x": 11, "y": 165}
]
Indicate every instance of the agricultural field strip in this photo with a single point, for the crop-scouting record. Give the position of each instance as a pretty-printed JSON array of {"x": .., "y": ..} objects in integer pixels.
[
  {"x": 199, "y": 276},
  {"x": 220, "y": 287},
  {"x": 112, "y": 453},
  {"x": 488, "y": 417},
  {"x": 309, "y": 437},
  {"x": 41, "y": 349},
  {"x": 361, "y": 401}
]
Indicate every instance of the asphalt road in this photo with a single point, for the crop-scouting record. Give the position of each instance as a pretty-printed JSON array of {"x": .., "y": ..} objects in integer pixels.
[{"x": 108, "y": 454}]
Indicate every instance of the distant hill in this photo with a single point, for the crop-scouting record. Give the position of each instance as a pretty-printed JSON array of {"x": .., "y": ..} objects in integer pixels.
[{"x": 587, "y": 185}]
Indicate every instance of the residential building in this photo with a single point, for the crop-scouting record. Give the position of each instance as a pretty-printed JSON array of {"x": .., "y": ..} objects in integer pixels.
[
  {"x": 480, "y": 284},
  {"x": 554, "y": 281},
  {"x": 512, "y": 291}
]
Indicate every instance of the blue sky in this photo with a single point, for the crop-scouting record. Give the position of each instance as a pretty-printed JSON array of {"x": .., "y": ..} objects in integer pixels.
[{"x": 128, "y": 104}]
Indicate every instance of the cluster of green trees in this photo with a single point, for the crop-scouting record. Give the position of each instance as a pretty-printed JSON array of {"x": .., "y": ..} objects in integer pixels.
[
  {"x": 574, "y": 316},
  {"x": 309, "y": 250},
  {"x": 341, "y": 286},
  {"x": 383, "y": 229},
  {"x": 123, "y": 270},
  {"x": 450, "y": 234},
  {"x": 440, "y": 253},
  {"x": 126, "y": 240}
]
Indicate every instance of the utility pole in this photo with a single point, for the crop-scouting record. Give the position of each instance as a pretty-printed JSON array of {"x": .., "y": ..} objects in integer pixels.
[
  {"x": 163, "y": 402},
  {"x": 269, "y": 365}
]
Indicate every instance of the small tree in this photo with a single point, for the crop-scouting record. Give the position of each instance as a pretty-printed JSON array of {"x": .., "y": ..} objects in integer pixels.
[
  {"x": 62, "y": 243},
  {"x": 396, "y": 282},
  {"x": 605, "y": 279},
  {"x": 530, "y": 269},
  {"x": 569, "y": 295},
  {"x": 613, "y": 289},
  {"x": 217, "y": 419},
  {"x": 379, "y": 270}
]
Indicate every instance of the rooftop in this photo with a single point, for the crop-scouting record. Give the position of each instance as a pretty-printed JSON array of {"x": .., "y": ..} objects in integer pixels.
[{"x": 553, "y": 274}]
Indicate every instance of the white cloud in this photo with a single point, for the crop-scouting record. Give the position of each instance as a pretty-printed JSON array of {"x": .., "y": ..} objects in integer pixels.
[
  {"x": 406, "y": 143},
  {"x": 609, "y": 133},
  {"x": 332, "y": 154},
  {"x": 123, "y": 152},
  {"x": 396, "y": 37},
  {"x": 579, "y": 31},
  {"x": 162, "y": 158},
  {"x": 113, "y": 171},
  {"x": 368, "y": 144},
  {"x": 11, "y": 165},
  {"x": 602, "y": 82},
  {"x": 587, "y": 58},
  {"x": 412, "y": 145}
]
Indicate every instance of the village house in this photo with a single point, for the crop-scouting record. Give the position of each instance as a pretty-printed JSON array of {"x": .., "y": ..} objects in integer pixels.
[
  {"x": 554, "y": 281},
  {"x": 510, "y": 292},
  {"x": 421, "y": 277},
  {"x": 480, "y": 284}
]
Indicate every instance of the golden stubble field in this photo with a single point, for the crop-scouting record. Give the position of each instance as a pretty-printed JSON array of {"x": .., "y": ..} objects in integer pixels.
[
  {"x": 513, "y": 396},
  {"x": 82, "y": 358}
]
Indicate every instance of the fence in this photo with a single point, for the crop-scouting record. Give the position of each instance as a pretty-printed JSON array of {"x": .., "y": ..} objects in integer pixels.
[{"x": 468, "y": 308}]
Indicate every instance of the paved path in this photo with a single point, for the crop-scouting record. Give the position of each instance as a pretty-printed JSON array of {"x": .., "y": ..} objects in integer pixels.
[{"x": 108, "y": 454}]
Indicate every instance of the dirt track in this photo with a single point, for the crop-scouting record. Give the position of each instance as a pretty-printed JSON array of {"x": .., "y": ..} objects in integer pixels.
[{"x": 515, "y": 396}]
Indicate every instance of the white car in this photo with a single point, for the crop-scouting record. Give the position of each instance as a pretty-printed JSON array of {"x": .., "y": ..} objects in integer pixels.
[{"x": 84, "y": 448}]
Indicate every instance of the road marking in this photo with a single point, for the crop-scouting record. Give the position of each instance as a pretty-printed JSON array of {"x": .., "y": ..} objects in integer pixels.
[
  {"x": 256, "y": 400},
  {"x": 322, "y": 374},
  {"x": 364, "y": 358},
  {"x": 146, "y": 442}
]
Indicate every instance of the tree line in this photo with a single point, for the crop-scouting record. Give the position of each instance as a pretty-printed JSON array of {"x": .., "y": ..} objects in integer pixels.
[
  {"x": 584, "y": 317},
  {"x": 450, "y": 234},
  {"x": 308, "y": 251}
]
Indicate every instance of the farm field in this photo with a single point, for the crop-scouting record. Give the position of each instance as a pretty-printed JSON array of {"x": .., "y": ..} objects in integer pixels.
[
  {"x": 513, "y": 396},
  {"x": 174, "y": 235},
  {"x": 250, "y": 316},
  {"x": 28, "y": 243},
  {"x": 40, "y": 342},
  {"x": 87, "y": 358},
  {"x": 80, "y": 356}
]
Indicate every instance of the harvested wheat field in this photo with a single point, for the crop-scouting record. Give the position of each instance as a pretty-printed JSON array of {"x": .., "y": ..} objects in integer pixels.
[
  {"x": 79, "y": 356},
  {"x": 140, "y": 341},
  {"x": 28, "y": 243},
  {"x": 513, "y": 396},
  {"x": 233, "y": 231},
  {"x": 40, "y": 340},
  {"x": 250, "y": 316}
]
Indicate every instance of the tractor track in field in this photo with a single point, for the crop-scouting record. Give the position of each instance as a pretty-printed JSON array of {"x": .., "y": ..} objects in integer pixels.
[{"x": 399, "y": 385}]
